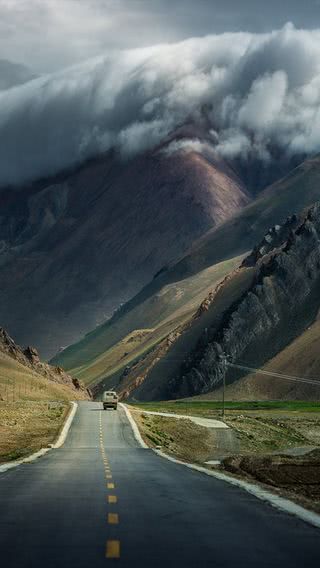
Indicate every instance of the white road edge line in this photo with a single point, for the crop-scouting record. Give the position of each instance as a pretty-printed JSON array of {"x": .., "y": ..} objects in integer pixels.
[
  {"x": 135, "y": 429},
  {"x": 60, "y": 441},
  {"x": 278, "y": 502},
  {"x": 204, "y": 422}
]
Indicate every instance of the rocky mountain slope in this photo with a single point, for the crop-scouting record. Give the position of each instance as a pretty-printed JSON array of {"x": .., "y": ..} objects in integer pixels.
[
  {"x": 172, "y": 297},
  {"x": 276, "y": 306},
  {"x": 300, "y": 359},
  {"x": 28, "y": 359},
  {"x": 74, "y": 247}
]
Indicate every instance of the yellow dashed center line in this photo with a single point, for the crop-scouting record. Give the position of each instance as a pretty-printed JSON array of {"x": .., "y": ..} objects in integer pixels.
[
  {"x": 113, "y": 518},
  {"x": 112, "y": 499},
  {"x": 112, "y": 546},
  {"x": 113, "y": 549}
]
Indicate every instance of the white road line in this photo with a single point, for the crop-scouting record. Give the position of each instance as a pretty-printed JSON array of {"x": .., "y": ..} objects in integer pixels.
[
  {"x": 205, "y": 422},
  {"x": 64, "y": 432},
  {"x": 135, "y": 429}
]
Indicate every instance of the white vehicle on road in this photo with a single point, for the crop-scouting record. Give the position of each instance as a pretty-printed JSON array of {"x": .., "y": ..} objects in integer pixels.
[{"x": 110, "y": 400}]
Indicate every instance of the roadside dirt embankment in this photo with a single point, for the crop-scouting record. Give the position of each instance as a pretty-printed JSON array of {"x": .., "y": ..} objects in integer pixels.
[{"x": 295, "y": 477}]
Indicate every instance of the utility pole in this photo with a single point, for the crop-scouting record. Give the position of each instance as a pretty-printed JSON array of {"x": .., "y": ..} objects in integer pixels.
[
  {"x": 223, "y": 359},
  {"x": 223, "y": 392}
]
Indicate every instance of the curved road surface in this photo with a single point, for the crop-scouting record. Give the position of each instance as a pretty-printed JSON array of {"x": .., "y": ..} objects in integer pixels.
[{"x": 101, "y": 500}]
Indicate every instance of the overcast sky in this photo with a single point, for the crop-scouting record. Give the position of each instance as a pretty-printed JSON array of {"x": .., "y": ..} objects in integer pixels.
[{"x": 47, "y": 35}]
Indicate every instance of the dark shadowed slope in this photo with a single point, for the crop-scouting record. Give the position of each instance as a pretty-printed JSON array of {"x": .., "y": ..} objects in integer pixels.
[{"x": 74, "y": 247}]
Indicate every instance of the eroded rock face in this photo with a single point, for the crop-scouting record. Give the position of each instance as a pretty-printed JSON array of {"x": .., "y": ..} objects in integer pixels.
[
  {"x": 32, "y": 354},
  {"x": 282, "y": 302}
]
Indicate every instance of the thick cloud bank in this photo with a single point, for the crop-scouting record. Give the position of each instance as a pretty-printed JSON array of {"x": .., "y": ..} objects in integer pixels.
[{"x": 257, "y": 92}]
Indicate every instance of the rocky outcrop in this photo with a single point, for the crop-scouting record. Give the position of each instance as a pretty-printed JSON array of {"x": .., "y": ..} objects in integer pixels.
[
  {"x": 280, "y": 304},
  {"x": 274, "y": 238},
  {"x": 30, "y": 358},
  {"x": 32, "y": 355}
]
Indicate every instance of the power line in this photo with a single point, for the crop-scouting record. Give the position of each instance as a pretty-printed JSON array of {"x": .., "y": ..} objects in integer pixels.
[{"x": 277, "y": 375}]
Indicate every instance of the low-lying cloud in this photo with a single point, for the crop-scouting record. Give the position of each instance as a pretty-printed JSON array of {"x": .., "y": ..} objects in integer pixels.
[{"x": 257, "y": 92}]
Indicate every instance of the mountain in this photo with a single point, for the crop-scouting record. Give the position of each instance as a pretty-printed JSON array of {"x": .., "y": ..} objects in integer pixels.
[
  {"x": 75, "y": 246},
  {"x": 174, "y": 295},
  {"x": 24, "y": 366},
  {"x": 276, "y": 300},
  {"x": 289, "y": 195},
  {"x": 13, "y": 74}
]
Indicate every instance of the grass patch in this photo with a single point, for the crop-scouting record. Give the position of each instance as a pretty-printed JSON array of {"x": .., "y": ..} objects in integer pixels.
[
  {"x": 26, "y": 427},
  {"x": 181, "y": 438},
  {"x": 201, "y": 407},
  {"x": 258, "y": 427}
]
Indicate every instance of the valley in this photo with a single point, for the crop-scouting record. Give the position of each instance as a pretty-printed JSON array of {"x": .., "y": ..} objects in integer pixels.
[{"x": 144, "y": 346}]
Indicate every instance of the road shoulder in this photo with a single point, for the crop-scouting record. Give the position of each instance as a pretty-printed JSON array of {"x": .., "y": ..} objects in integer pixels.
[{"x": 256, "y": 490}]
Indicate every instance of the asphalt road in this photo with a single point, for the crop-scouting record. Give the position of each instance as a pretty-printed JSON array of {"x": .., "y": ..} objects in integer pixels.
[{"x": 60, "y": 512}]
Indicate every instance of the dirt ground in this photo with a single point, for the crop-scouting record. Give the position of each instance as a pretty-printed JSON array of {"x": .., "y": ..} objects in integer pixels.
[
  {"x": 295, "y": 477},
  {"x": 26, "y": 427}
]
